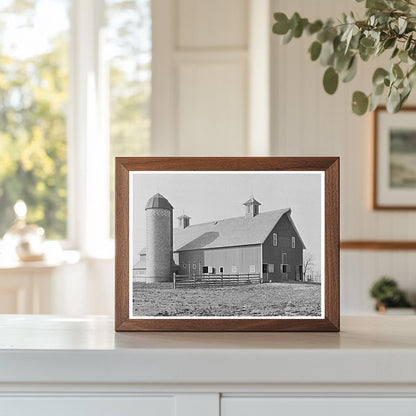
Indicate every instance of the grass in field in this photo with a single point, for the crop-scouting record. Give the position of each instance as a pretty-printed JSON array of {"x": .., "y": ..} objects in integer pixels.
[{"x": 270, "y": 299}]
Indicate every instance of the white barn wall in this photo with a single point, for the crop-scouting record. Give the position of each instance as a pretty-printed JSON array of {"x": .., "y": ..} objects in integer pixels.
[{"x": 305, "y": 121}]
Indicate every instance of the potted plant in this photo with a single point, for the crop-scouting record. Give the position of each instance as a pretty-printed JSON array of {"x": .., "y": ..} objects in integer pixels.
[
  {"x": 389, "y": 27},
  {"x": 387, "y": 294}
]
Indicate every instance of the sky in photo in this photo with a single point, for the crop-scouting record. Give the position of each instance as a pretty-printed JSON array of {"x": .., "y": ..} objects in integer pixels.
[{"x": 208, "y": 197}]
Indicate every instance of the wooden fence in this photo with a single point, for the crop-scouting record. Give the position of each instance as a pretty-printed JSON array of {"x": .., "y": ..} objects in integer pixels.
[{"x": 215, "y": 280}]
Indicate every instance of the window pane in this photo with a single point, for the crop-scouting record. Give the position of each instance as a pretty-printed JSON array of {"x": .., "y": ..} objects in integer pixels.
[
  {"x": 129, "y": 51},
  {"x": 33, "y": 100}
]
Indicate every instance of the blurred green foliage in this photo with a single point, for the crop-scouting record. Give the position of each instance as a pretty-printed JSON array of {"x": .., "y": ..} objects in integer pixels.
[
  {"x": 389, "y": 27},
  {"x": 33, "y": 110},
  {"x": 387, "y": 292},
  {"x": 33, "y": 97}
]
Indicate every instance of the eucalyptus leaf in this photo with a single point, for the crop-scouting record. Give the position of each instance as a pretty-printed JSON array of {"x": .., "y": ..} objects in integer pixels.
[
  {"x": 408, "y": 42},
  {"x": 397, "y": 71},
  {"x": 315, "y": 50},
  {"x": 376, "y": 4},
  {"x": 402, "y": 22},
  {"x": 378, "y": 89},
  {"x": 351, "y": 71},
  {"x": 393, "y": 101},
  {"x": 395, "y": 52},
  {"x": 374, "y": 102},
  {"x": 379, "y": 75},
  {"x": 327, "y": 54},
  {"x": 330, "y": 80},
  {"x": 359, "y": 103},
  {"x": 288, "y": 37},
  {"x": 403, "y": 56},
  {"x": 314, "y": 27},
  {"x": 281, "y": 26}
]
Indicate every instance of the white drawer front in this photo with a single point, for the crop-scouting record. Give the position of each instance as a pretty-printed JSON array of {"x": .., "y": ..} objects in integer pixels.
[
  {"x": 87, "y": 406},
  {"x": 273, "y": 406}
]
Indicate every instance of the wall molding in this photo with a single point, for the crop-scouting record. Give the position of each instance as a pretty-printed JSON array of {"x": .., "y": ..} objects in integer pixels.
[{"x": 377, "y": 245}]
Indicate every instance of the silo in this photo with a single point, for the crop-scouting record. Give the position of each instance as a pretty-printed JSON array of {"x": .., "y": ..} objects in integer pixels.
[{"x": 159, "y": 236}]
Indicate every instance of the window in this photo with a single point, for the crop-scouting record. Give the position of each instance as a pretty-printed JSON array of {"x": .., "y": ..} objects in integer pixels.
[
  {"x": 271, "y": 268},
  {"x": 293, "y": 242},
  {"x": 184, "y": 265},
  {"x": 129, "y": 56},
  {"x": 221, "y": 269},
  {"x": 194, "y": 266},
  {"x": 34, "y": 69},
  {"x": 205, "y": 269},
  {"x": 275, "y": 239},
  {"x": 252, "y": 268},
  {"x": 233, "y": 269},
  {"x": 60, "y": 134},
  {"x": 284, "y": 258},
  {"x": 284, "y": 268}
]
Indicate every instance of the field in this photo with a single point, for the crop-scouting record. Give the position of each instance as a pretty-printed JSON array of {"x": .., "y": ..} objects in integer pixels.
[
  {"x": 269, "y": 299},
  {"x": 403, "y": 170}
]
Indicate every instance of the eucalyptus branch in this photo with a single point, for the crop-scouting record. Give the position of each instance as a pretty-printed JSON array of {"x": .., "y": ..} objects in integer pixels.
[{"x": 388, "y": 25}]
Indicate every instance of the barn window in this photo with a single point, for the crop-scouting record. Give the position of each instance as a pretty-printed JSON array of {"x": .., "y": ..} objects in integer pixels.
[
  {"x": 252, "y": 268},
  {"x": 284, "y": 258},
  {"x": 205, "y": 269},
  {"x": 293, "y": 242},
  {"x": 233, "y": 269},
  {"x": 271, "y": 268},
  {"x": 275, "y": 239},
  {"x": 221, "y": 269}
]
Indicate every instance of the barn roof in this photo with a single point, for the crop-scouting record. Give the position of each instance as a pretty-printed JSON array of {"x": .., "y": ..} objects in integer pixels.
[
  {"x": 239, "y": 231},
  {"x": 158, "y": 201}
]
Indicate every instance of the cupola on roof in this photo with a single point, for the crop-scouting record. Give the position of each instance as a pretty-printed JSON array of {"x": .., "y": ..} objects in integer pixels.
[{"x": 252, "y": 201}]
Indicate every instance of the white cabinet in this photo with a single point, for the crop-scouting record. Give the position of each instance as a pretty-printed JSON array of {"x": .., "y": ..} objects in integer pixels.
[
  {"x": 88, "y": 406},
  {"x": 51, "y": 365},
  {"x": 271, "y": 406}
]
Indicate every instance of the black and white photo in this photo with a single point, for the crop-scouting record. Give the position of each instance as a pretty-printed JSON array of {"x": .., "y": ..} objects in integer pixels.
[{"x": 226, "y": 244}]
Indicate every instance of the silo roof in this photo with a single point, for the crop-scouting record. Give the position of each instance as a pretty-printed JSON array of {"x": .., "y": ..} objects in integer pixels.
[{"x": 158, "y": 201}]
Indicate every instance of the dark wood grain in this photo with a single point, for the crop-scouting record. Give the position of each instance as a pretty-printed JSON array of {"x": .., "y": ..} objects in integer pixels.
[
  {"x": 378, "y": 245},
  {"x": 329, "y": 165},
  {"x": 376, "y": 205}
]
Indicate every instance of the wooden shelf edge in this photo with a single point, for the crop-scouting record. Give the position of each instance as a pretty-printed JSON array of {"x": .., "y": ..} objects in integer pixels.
[{"x": 377, "y": 245}]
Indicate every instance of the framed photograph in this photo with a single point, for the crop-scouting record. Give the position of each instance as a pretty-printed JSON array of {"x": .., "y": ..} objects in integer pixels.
[
  {"x": 227, "y": 244},
  {"x": 395, "y": 159}
]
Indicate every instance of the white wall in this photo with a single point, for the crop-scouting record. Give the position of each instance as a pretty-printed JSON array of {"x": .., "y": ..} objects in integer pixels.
[
  {"x": 308, "y": 122},
  {"x": 200, "y": 77},
  {"x": 211, "y": 92}
]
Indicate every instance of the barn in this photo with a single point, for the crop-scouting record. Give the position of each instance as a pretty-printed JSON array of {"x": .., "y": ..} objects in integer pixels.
[{"x": 264, "y": 243}]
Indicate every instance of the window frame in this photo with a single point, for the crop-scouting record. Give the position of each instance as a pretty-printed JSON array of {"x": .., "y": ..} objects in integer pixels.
[{"x": 88, "y": 138}]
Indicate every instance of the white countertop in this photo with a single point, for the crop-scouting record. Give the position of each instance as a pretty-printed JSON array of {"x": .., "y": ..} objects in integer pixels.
[{"x": 52, "y": 349}]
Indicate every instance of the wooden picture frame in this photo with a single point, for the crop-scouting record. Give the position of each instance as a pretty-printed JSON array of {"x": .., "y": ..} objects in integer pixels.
[
  {"x": 394, "y": 185},
  {"x": 133, "y": 174}
]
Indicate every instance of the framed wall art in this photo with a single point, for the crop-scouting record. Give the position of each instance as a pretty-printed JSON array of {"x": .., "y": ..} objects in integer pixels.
[
  {"x": 394, "y": 179},
  {"x": 227, "y": 244}
]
